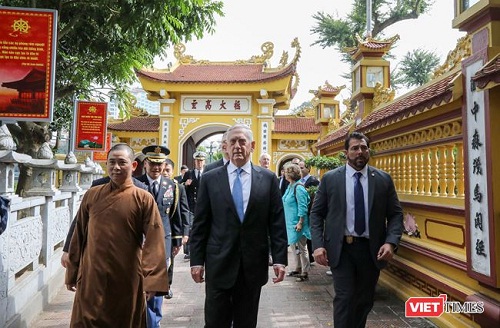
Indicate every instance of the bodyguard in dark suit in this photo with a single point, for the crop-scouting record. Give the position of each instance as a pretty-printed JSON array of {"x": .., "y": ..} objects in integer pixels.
[
  {"x": 163, "y": 190},
  {"x": 356, "y": 223},
  {"x": 239, "y": 206}
]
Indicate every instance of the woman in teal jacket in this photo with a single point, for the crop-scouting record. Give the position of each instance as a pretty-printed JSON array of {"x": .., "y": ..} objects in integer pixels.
[{"x": 296, "y": 202}]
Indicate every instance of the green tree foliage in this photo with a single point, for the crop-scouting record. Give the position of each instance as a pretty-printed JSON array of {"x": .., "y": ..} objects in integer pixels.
[
  {"x": 415, "y": 68},
  {"x": 324, "y": 162},
  {"x": 99, "y": 43},
  {"x": 342, "y": 32}
]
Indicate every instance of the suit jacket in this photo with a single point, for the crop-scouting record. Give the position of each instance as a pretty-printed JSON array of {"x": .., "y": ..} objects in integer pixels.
[
  {"x": 213, "y": 165},
  {"x": 221, "y": 243},
  {"x": 311, "y": 181},
  {"x": 192, "y": 189},
  {"x": 165, "y": 200},
  {"x": 181, "y": 214},
  {"x": 284, "y": 185},
  {"x": 178, "y": 178},
  {"x": 328, "y": 214}
]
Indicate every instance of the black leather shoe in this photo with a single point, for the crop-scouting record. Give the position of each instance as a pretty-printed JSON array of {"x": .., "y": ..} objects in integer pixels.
[{"x": 293, "y": 273}]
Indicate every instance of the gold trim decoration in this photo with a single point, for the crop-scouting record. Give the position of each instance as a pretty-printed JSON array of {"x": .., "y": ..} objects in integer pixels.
[{"x": 462, "y": 50}]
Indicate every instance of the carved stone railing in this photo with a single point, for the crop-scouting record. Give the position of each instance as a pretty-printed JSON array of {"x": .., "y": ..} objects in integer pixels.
[{"x": 31, "y": 246}]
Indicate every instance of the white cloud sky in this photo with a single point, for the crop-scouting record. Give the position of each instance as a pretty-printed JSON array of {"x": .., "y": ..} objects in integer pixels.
[{"x": 248, "y": 24}]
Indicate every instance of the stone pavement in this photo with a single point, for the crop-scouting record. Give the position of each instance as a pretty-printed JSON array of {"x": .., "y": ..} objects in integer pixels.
[{"x": 287, "y": 304}]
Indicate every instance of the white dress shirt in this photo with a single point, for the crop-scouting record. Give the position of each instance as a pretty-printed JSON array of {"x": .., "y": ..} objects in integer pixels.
[{"x": 350, "y": 180}]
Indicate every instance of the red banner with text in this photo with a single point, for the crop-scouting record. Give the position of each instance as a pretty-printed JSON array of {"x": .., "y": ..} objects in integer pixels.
[
  {"x": 91, "y": 121},
  {"x": 27, "y": 63}
]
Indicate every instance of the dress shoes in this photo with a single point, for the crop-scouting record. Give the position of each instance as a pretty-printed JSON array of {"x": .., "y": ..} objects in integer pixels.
[
  {"x": 293, "y": 273},
  {"x": 302, "y": 277}
]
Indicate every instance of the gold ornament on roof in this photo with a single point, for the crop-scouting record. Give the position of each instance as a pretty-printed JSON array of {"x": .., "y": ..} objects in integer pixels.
[
  {"x": 267, "y": 50},
  {"x": 382, "y": 95},
  {"x": 180, "y": 49},
  {"x": 462, "y": 50}
]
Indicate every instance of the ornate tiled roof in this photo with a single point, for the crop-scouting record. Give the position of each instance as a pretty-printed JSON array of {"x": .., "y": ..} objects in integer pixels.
[
  {"x": 334, "y": 137},
  {"x": 419, "y": 101},
  {"x": 218, "y": 73},
  {"x": 370, "y": 45},
  {"x": 425, "y": 98},
  {"x": 489, "y": 73},
  {"x": 295, "y": 125},
  {"x": 137, "y": 124}
]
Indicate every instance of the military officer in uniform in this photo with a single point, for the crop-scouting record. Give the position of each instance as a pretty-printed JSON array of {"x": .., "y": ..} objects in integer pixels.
[
  {"x": 163, "y": 190},
  {"x": 191, "y": 181}
]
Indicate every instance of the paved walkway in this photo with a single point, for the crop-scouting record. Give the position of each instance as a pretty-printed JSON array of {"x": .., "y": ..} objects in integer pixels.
[{"x": 287, "y": 304}]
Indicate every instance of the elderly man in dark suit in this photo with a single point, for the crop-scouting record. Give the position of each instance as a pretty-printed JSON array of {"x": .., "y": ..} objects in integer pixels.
[
  {"x": 239, "y": 206},
  {"x": 356, "y": 223}
]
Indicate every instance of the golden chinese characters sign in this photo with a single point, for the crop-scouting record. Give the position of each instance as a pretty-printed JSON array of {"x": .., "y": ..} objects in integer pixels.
[
  {"x": 27, "y": 63},
  {"x": 91, "y": 118}
]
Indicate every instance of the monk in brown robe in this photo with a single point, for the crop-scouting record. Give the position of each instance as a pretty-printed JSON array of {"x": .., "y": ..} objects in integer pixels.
[{"x": 117, "y": 252}]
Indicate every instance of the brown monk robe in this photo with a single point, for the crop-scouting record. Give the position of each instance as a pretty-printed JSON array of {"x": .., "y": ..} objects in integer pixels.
[{"x": 116, "y": 254}]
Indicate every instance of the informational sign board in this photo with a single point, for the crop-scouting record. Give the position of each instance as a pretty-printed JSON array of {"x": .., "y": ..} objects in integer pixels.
[
  {"x": 27, "y": 63},
  {"x": 91, "y": 121}
]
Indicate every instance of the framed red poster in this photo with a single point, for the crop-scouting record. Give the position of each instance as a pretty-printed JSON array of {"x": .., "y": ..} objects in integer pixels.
[
  {"x": 27, "y": 63},
  {"x": 102, "y": 156},
  {"x": 90, "y": 131}
]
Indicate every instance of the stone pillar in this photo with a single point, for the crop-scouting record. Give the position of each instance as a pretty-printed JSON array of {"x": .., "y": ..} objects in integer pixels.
[
  {"x": 43, "y": 178},
  {"x": 265, "y": 119}
]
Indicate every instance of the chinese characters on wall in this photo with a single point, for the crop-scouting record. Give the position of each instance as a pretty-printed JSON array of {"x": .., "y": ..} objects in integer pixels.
[
  {"x": 478, "y": 181},
  {"x": 216, "y": 104}
]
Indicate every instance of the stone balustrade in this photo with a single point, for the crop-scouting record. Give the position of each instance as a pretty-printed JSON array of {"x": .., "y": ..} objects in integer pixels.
[{"x": 31, "y": 246}]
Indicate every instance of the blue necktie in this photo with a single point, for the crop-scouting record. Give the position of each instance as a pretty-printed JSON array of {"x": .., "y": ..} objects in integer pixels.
[
  {"x": 359, "y": 206},
  {"x": 238, "y": 194}
]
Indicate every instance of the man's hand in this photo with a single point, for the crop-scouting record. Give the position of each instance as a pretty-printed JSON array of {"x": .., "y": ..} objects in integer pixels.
[
  {"x": 185, "y": 240},
  {"x": 175, "y": 250},
  {"x": 71, "y": 287},
  {"x": 279, "y": 271},
  {"x": 197, "y": 274},
  {"x": 188, "y": 182},
  {"x": 386, "y": 252},
  {"x": 65, "y": 260},
  {"x": 149, "y": 295},
  {"x": 320, "y": 256}
]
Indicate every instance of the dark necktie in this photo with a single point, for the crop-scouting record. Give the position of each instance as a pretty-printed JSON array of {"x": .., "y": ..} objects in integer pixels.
[
  {"x": 238, "y": 194},
  {"x": 154, "y": 189},
  {"x": 359, "y": 206}
]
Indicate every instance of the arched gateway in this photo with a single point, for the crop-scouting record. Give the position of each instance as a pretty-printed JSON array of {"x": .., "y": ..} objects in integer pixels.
[{"x": 199, "y": 98}]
